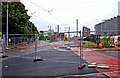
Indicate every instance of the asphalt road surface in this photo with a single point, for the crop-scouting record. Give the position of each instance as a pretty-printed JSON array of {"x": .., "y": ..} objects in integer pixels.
[
  {"x": 113, "y": 54},
  {"x": 56, "y": 64}
]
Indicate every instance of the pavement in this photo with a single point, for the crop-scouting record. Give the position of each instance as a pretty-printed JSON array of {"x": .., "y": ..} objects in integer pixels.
[
  {"x": 107, "y": 58},
  {"x": 57, "y": 63},
  {"x": 115, "y": 54},
  {"x": 92, "y": 56},
  {"x": 0, "y": 51},
  {"x": 25, "y": 49}
]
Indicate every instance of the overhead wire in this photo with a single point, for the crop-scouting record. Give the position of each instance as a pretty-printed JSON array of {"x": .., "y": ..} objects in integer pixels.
[
  {"x": 39, "y": 18},
  {"x": 38, "y": 6},
  {"x": 49, "y": 12}
]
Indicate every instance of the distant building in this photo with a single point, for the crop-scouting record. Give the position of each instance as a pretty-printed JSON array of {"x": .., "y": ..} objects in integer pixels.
[
  {"x": 45, "y": 33},
  {"x": 61, "y": 36},
  {"x": 108, "y": 26},
  {"x": 55, "y": 35},
  {"x": 86, "y": 31},
  {"x": 112, "y": 25}
]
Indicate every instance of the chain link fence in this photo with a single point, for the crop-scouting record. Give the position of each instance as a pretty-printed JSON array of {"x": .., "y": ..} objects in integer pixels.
[{"x": 18, "y": 40}]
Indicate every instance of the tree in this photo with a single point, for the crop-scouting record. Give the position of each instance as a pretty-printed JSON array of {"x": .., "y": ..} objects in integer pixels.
[
  {"x": 106, "y": 39},
  {"x": 18, "y": 19}
]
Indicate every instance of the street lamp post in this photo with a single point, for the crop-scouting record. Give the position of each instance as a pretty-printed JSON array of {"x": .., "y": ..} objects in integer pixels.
[
  {"x": 69, "y": 33},
  {"x": 7, "y": 27},
  {"x": 31, "y": 16},
  {"x": 50, "y": 35},
  {"x": 77, "y": 27},
  {"x": 4, "y": 55},
  {"x": 50, "y": 29}
]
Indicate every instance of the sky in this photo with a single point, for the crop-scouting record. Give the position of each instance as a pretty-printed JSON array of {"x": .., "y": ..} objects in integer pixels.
[{"x": 46, "y": 13}]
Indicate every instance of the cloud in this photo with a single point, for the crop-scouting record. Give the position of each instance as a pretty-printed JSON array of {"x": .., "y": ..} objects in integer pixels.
[{"x": 89, "y": 12}]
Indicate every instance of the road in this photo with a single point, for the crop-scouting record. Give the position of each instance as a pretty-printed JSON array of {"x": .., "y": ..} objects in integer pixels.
[
  {"x": 110, "y": 59},
  {"x": 56, "y": 63},
  {"x": 113, "y": 54}
]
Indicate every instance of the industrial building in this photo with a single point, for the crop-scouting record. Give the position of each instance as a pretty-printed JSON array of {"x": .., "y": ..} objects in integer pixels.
[
  {"x": 112, "y": 25},
  {"x": 86, "y": 31},
  {"x": 108, "y": 26}
]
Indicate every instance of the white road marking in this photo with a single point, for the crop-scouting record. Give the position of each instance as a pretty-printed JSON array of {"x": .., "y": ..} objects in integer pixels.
[{"x": 21, "y": 50}]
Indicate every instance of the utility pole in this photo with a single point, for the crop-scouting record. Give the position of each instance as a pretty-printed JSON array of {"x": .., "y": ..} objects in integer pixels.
[
  {"x": 68, "y": 33},
  {"x": 7, "y": 28},
  {"x": 77, "y": 27},
  {"x": 58, "y": 28},
  {"x": 50, "y": 34},
  {"x": 50, "y": 28}
]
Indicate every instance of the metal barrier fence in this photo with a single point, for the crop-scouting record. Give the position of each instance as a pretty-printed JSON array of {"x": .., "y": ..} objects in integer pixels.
[
  {"x": 0, "y": 43},
  {"x": 0, "y": 55},
  {"x": 107, "y": 39},
  {"x": 18, "y": 39}
]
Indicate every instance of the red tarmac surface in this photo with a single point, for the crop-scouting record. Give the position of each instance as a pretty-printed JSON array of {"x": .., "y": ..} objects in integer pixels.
[{"x": 92, "y": 56}]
